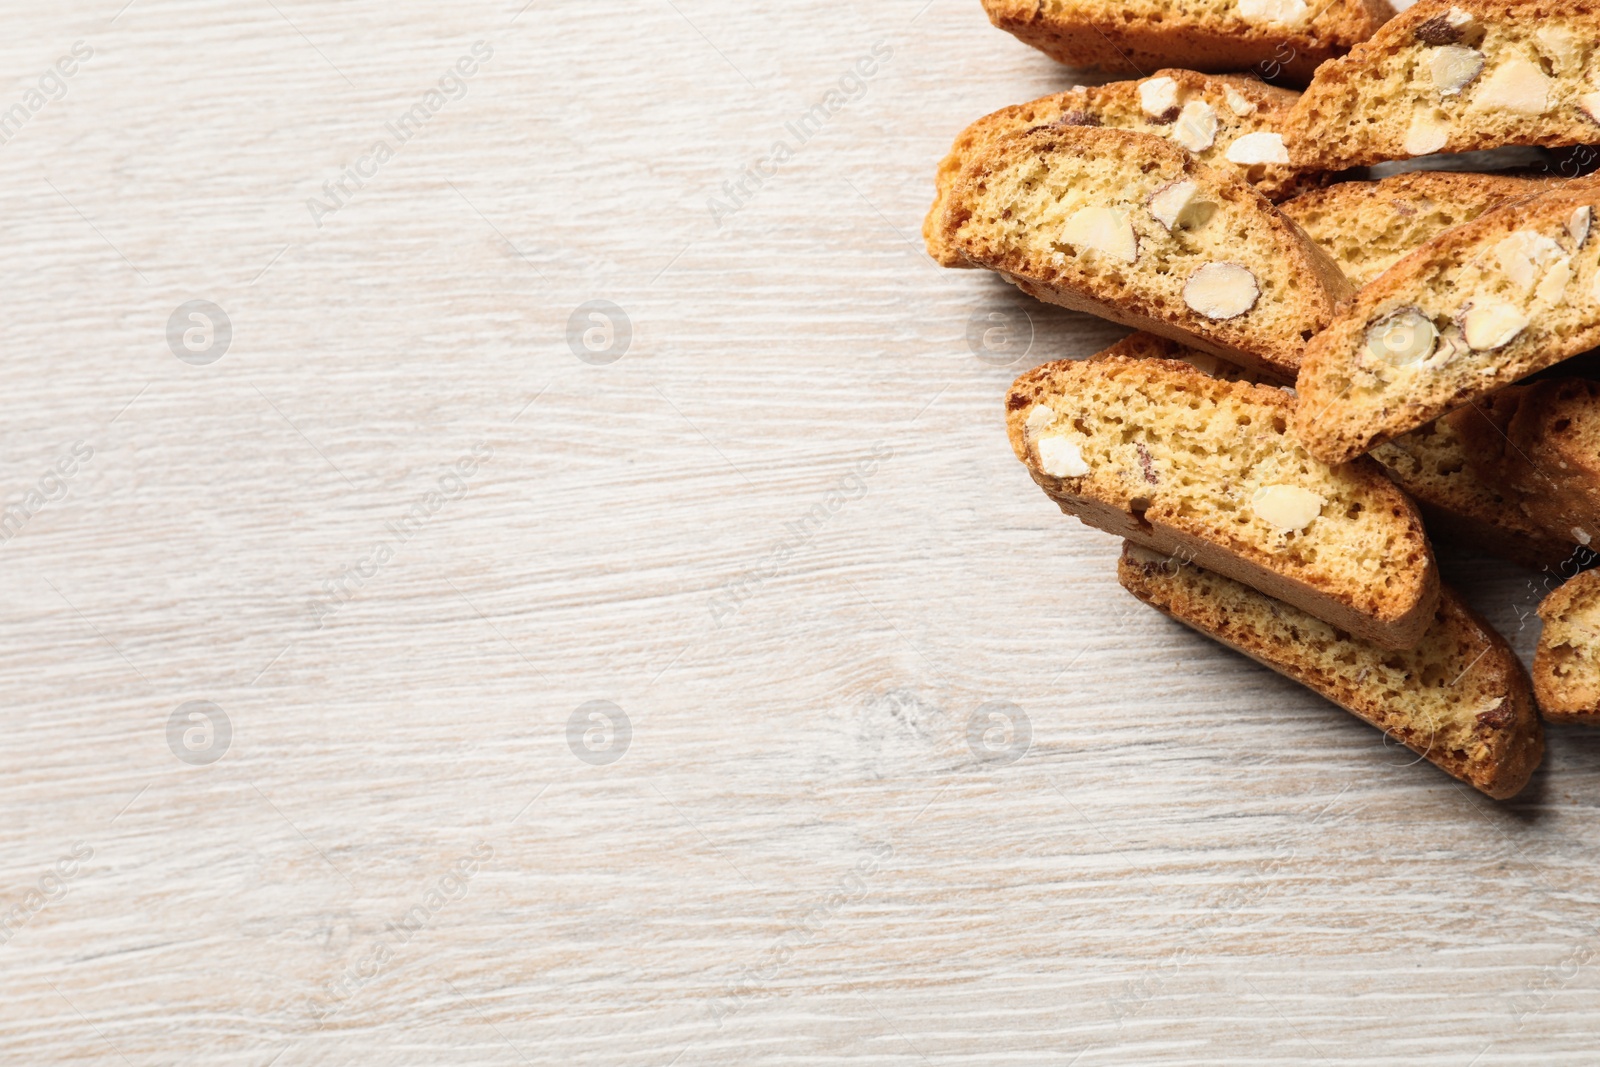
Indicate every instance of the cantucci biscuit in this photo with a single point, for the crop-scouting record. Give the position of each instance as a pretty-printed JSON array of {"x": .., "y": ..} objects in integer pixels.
[
  {"x": 1431, "y": 464},
  {"x": 1566, "y": 667},
  {"x": 1460, "y": 698},
  {"x": 1480, "y": 306},
  {"x": 1368, "y": 227},
  {"x": 1434, "y": 465},
  {"x": 1163, "y": 454},
  {"x": 1278, "y": 38},
  {"x": 1232, "y": 123},
  {"x": 1541, "y": 444},
  {"x": 1455, "y": 76},
  {"x": 1129, "y": 226}
]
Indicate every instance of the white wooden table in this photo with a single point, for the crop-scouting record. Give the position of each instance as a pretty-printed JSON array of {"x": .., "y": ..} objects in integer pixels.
[{"x": 406, "y": 517}]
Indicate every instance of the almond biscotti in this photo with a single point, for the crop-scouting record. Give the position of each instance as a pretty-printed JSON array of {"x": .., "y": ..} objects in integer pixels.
[
  {"x": 1434, "y": 465},
  {"x": 1131, "y": 227},
  {"x": 1162, "y": 454},
  {"x": 1229, "y": 122},
  {"x": 1368, "y": 227},
  {"x": 1430, "y": 464},
  {"x": 1477, "y": 308},
  {"x": 1286, "y": 38},
  {"x": 1459, "y": 699},
  {"x": 1566, "y": 667},
  {"x": 1455, "y": 76},
  {"x": 1541, "y": 443}
]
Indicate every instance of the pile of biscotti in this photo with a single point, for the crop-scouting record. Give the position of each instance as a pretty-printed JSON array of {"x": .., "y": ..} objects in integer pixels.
[{"x": 1329, "y": 370}]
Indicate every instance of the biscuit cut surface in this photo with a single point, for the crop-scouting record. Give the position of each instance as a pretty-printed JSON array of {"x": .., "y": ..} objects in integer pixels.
[
  {"x": 1279, "y": 38},
  {"x": 1433, "y": 464},
  {"x": 1368, "y": 227},
  {"x": 1436, "y": 465},
  {"x": 1206, "y": 114},
  {"x": 1541, "y": 444},
  {"x": 1162, "y": 454},
  {"x": 1130, "y": 227},
  {"x": 1456, "y": 77},
  {"x": 1566, "y": 668},
  {"x": 1460, "y": 698},
  {"x": 1478, "y": 307}
]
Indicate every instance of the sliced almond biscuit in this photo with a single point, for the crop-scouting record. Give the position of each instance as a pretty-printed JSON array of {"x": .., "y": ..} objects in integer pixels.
[
  {"x": 1541, "y": 444},
  {"x": 1163, "y": 454},
  {"x": 1566, "y": 667},
  {"x": 1278, "y": 38},
  {"x": 1455, "y": 76},
  {"x": 1129, "y": 226},
  {"x": 1368, "y": 227},
  {"x": 1478, "y": 307},
  {"x": 1229, "y": 122},
  {"x": 1433, "y": 464},
  {"x": 1460, "y": 698},
  {"x": 1430, "y": 464}
]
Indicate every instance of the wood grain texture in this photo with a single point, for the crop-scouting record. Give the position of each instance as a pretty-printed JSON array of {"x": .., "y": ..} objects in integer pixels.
[{"x": 798, "y": 859}]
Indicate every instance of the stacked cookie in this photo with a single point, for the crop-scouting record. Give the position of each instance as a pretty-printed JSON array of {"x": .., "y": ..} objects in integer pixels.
[{"x": 1323, "y": 376}]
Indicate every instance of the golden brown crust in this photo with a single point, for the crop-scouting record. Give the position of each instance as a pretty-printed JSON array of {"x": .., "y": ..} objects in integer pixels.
[
  {"x": 1460, "y": 698},
  {"x": 1065, "y": 155},
  {"x": 1566, "y": 667},
  {"x": 1541, "y": 444},
  {"x": 1117, "y": 104},
  {"x": 1359, "y": 109},
  {"x": 1144, "y": 345},
  {"x": 1369, "y": 571},
  {"x": 1270, "y": 368},
  {"x": 1507, "y": 537},
  {"x": 1350, "y": 401},
  {"x": 1430, "y": 464},
  {"x": 1368, "y": 227},
  {"x": 1437, "y": 466},
  {"x": 1131, "y": 38}
]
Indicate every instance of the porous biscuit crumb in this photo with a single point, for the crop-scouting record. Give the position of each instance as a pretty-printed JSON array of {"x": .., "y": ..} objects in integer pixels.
[
  {"x": 1130, "y": 227},
  {"x": 1233, "y": 124},
  {"x": 1161, "y": 453},
  {"x": 1508, "y": 294},
  {"x": 1455, "y": 76},
  {"x": 1432, "y": 465},
  {"x": 1566, "y": 667},
  {"x": 1368, "y": 227}
]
